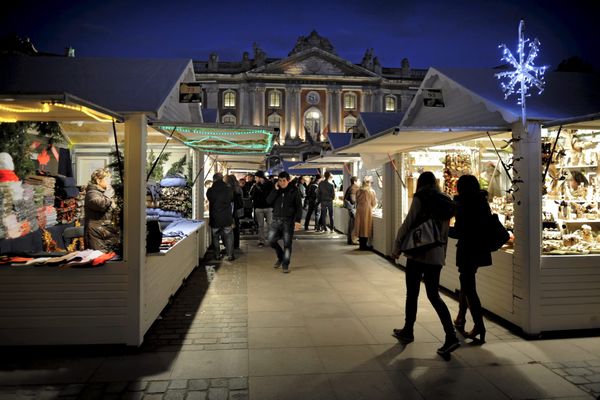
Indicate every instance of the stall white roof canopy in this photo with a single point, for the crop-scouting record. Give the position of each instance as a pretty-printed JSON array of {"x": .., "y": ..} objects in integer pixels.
[
  {"x": 472, "y": 104},
  {"x": 122, "y": 85},
  {"x": 332, "y": 159}
]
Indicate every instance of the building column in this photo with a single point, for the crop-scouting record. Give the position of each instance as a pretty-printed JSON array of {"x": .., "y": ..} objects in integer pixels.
[
  {"x": 288, "y": 115},
  {"x": 134, "y": 227},
  {"x": 378, "y": 101},
  {"x": 368, "y": 100},
  {"x": 244, "y": 106},
  {"x": 337, "y": 110},
  {"x": 294, "y": 107},
  {"x": 212, "y": 96},
  {"x": 259, "y": 105}
]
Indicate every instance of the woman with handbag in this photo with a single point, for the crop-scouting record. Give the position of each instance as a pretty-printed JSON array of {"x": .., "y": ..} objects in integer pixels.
[
  {"x": 426, "y": 262},
  {"x": 472, "y": 251}
]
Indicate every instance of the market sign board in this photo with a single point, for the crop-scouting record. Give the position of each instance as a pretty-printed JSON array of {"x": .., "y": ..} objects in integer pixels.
[
  {"x": 190, "y": 92},
  {"x": 433, "y": 98}
]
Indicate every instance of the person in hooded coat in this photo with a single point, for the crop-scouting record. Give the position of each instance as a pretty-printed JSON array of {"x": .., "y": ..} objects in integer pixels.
[{"x": 471, "y": 251}]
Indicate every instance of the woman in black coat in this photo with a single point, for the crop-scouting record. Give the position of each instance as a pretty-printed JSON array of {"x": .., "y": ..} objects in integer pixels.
[{"x": 472, "y": 251}]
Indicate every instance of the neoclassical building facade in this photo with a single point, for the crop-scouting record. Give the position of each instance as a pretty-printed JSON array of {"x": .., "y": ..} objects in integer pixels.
[{"x": 311, "y": 92}]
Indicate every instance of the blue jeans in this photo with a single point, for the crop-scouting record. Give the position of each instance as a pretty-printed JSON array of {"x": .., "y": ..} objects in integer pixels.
[
  {"x": 327, "y": 207},
  {"x": 282, "y": 229},
  {"x": 226, "y": 233}
]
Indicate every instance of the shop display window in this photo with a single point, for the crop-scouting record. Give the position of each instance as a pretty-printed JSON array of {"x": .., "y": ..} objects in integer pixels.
[
  {"x": 476, "y": 157},
  {"x": 570, "y": 213}
]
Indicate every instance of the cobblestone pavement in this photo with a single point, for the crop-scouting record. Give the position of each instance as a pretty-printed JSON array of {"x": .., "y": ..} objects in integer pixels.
[{"x": 243, "y": 330}]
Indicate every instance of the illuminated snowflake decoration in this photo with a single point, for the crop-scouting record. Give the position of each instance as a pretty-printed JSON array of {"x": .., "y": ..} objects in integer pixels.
[{"x": 524, "y": 72}]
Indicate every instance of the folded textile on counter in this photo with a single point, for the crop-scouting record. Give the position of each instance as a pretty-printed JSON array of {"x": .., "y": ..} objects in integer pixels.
[
  {"x": 185, "y": 226},
  {"x": 173, "y": 182}
]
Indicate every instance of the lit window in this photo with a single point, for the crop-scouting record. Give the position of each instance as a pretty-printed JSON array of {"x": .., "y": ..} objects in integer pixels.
[
  {"x": 390, "y": 103},
  {"x": 229, "y": 99},
  {"x": 228, "y": 119},
  {"x": 274, "y": 121},
  {"x": 275, "y": 99},
  {"x": 349, "y": 123},
  {"x": 350, "y": 101}
]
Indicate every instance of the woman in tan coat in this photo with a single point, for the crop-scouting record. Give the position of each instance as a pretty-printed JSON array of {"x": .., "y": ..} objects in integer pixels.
[{"x": 365, "y": 203}]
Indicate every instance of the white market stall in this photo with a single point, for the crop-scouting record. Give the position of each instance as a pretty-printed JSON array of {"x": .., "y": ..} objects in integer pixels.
[
  {"x": 118, "y": 302},
  {"x": 546, "y": 282}
]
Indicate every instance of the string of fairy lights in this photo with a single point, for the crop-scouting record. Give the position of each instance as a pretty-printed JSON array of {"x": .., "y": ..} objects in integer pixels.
[{"x": 222, "y": 141}]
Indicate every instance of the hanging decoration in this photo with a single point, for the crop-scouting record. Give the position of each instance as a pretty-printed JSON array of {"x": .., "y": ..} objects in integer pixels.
[
  {"x": 223, "y": 140},
  {"x": 525, "y": 75}
]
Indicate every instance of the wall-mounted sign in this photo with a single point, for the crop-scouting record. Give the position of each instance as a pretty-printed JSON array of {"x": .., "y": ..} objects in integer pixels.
[
  {"x": 313, "y": 97},
  {"x": 433, "y": 98},
  {"x": 190, "y": 92}
]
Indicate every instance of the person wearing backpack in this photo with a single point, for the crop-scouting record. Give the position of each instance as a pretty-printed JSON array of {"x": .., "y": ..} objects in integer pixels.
[
  {"x": 472, "y": 251},
  {"x": 428, "y": 202}
]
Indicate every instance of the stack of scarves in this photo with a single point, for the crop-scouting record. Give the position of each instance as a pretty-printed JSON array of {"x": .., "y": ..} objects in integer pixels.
[
  {"x": 46, "y": 216},
  {"x": 18, "y": 213},
  {"x": 47, "y": 183},
  {"x": 65, "y": 187}
]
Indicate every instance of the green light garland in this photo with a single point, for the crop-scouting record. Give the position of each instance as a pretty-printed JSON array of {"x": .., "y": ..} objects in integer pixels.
[{"x": 226, "y": 146}]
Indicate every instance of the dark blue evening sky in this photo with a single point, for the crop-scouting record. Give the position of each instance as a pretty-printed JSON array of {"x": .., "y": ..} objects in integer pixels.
[{"x": 429, "y": 33}]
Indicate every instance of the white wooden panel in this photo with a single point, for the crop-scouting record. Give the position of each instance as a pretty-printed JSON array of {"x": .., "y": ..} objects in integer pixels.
[
  {"x": 379, "y": 235},
  {"x": 165, "y": 274},
  {"x": 570, "y": 295},
  {"x": 48, "y": 305}
]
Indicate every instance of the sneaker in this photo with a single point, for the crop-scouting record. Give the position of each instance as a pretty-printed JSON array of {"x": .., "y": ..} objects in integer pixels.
[
  {"x": 261, "y": 245},
  {"x": 231, "y": 258},
  {"x": 286, "y": 269},
  {"x": 449, "y": 346},
  {"x": 403, "y": 335},
  {"x": 277, "y": 264}
]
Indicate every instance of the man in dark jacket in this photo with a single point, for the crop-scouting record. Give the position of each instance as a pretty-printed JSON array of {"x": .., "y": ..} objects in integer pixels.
[
  {"x": 262, "y": 210},
  {"x": 326, "y": 195},
  {"x": 220, "y": 198},
  {"x": 287, "y": 214},
  {"x": 312, "y": 203}
]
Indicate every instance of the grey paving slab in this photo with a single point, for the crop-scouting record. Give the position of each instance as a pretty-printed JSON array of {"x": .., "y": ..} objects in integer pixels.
[
  {"x": 211, "y": 364},
  {"x": 348, "y": 359},
  {"x": 291, "y": 387},
  {"x": 285, "y": 361},
  {"x": 454, "y": 383},
  {"x": 529, "y": 381},
  {"x": 147, "y": 366},
  {"x": 48, "y": 371},
  {"x": 279, "y": 337},
  {"x": 338, "y": 331},
  {"x": 371, "y": 386},
  {"x": 273, "y": 319}
]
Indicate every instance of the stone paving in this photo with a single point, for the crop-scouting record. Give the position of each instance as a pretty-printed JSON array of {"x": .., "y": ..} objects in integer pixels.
[{"x": 243, "y": 330}]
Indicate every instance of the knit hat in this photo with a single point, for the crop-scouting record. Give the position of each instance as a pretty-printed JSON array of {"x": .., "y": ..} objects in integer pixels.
[
  {"x": 7, "y": 169},
  {"x": 259, "y": 174},
  {"x": 6, "y": 162}
]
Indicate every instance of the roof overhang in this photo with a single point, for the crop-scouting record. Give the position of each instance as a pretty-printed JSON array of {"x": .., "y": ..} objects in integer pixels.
[
  {"x": 60, "y": 107},
  {"x": 405, "y": 139},
  {"x": 220, "y": 139},
  {"x": 333, "y": 159},
  {"x": 590, "y": 121}
]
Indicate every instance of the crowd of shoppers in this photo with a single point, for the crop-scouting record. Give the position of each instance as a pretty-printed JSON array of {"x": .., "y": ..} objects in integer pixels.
[{"x": 279, "y": 205}]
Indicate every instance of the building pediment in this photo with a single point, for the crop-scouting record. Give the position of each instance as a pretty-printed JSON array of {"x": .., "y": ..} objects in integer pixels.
[{"x": 314, "y": 61}]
